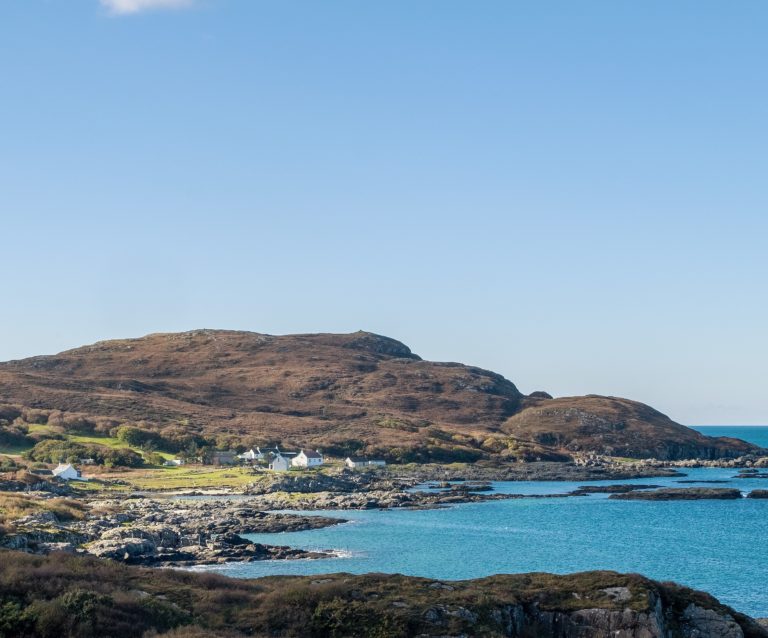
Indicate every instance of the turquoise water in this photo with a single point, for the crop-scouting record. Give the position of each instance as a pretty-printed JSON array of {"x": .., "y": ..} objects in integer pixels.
[{"x": 717, "y": 546}]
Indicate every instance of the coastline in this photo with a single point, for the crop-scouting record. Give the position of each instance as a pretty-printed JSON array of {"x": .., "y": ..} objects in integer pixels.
[{"x": 206, "y": 527}]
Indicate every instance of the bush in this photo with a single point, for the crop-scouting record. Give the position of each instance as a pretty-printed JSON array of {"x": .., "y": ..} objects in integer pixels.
[
  {"x": 14, "y": 436},
  {"x": 7, "y": 464},
  {"x": 8, "y": 414},
  {"x": 35, "y": 416},
  {"x": 54, "y": 451},
  {"x": 119, "y": 458},
  {"x": 75, "y": 423},
  {"x": 338, "y": 618}
]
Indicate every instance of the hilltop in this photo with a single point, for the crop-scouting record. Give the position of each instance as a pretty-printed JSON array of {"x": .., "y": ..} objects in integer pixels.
[{"x": 346, "y": 393}]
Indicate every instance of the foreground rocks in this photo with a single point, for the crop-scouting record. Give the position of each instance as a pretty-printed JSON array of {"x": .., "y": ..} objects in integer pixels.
[{"x": 89, "y": 597}]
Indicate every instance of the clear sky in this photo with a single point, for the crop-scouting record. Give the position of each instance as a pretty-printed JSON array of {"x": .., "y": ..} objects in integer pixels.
[{"x": 574, "y": 194}]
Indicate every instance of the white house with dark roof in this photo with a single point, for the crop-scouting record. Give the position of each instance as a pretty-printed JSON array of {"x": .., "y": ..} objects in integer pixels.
[
  {"x": 67, "y": 472},
  {"x": 307, "y": 458}
]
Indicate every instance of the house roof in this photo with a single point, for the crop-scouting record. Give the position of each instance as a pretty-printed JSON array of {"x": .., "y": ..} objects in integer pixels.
[
  {"x": 312, "y": 454},
  {"x": 62, "y": 467},
  {"x": 357, "y": 459}
]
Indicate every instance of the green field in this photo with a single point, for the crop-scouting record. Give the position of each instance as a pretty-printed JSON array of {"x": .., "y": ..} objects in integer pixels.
[{"x": 191, "y": 476}]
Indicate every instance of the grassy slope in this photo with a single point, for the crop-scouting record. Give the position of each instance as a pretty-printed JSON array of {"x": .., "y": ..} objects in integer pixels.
[{"x": 106, "y": 441}]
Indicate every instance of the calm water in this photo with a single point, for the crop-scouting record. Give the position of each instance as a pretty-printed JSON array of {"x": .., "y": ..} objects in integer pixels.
[{"x": 721, "y": 547}]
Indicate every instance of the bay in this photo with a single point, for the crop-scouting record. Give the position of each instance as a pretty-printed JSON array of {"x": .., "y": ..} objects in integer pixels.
[{"x": 718, "y": 546}]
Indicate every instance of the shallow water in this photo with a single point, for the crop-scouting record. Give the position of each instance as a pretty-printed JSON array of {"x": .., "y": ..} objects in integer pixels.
[{"x": 717, "y": 546}]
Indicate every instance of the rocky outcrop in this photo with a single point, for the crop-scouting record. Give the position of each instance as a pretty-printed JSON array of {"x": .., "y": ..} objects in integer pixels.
[
  {"x": 167, "y": 532},
  {"x": 598, "y": 470},
  {"x": 161, "y": 545},
  {"x": 164, "y": 532},
  {"x": 374, "y": 499},
  {"x": 612, "y": 489},
  {"x": 681, "y": 494},
  {"x": 307, "y": 483},
  {"x": 113, "y": 599}
]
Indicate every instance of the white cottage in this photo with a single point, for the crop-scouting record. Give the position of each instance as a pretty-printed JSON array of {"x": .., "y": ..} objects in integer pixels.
[
  {"x": 67, "y": 472},
  {"x": 251, "y": 455},
  {"x": 279, "y": 463},
  {"x": 309, "y": 458},
  {"x": 355, "y": 462}
]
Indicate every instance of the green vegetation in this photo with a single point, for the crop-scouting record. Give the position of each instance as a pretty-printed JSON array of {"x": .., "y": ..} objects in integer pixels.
[
  {"x": 14, "y": 505},
  {"x": 64, "y": 596},
  {"x": 55, "y": 451},
  {"x": 191, "y": 476}
]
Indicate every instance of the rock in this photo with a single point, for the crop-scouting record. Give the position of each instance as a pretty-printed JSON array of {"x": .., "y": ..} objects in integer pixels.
[
  {"x": 39, "y": 518},
  {"x": 708, "y": 622},
  {"x": 131, "y": 550},
  {"x": 681, "y": 494},
  {"x": 611, "y": 489},
  {"x": 618, "y": 594},
  {"x": 758, "y": 494},
  {"x": 47, "y": 548}
]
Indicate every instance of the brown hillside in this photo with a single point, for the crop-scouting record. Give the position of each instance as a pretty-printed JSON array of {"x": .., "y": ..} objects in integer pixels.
[
  {"x": 618, "y": 427},
  {"x": 297, "y": 389},
  {"x": 334, "y": 389}
]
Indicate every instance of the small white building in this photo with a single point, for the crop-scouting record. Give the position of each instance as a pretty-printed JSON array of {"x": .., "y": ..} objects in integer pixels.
[
  {"x": 67, "y": 472},
  {"x": 357, "y": 462},
  {"x": 279, "y": 463},
  {"x": 308, "y": 458},
  {"x": 251, "y": 455},
  {"x": 173, "y": 462}
]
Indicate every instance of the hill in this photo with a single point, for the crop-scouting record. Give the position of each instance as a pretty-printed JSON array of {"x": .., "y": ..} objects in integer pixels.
[
  {"x": 68, "y": 596},
  {"x": 346, "y": 393},
  {"x": 614, "y": 426}
]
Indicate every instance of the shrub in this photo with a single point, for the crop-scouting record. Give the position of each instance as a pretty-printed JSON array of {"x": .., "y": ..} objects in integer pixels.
[
  {"x": 54, "y": 451},
  {"x": 14, "y": 436},
  {"x": 8, "y": 414},
  {"x": 35, "y": 416},
  {"x": 71, "y": 422}
]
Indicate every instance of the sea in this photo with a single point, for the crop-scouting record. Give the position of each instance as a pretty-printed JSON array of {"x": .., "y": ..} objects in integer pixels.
[{"x": 718, "y": 546}]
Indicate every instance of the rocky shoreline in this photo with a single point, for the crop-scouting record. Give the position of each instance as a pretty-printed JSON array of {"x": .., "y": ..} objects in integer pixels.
[
  {"x": 165, "y": 533},
  {"x": 163, "y": 529}
]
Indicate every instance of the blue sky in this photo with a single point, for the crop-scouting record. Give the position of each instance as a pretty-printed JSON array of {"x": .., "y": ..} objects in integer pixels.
[{"x": 570, "y": 193}]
